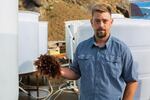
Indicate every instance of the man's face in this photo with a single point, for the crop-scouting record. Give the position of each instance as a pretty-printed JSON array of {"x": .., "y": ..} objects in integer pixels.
[{"x": 101, "y": 23}]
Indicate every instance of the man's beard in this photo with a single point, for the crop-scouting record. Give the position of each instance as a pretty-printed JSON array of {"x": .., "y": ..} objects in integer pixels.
[{"x": 100, "y": 34}]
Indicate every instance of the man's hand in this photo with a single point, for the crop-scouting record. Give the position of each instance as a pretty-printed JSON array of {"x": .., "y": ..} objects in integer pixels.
[{"x": 69, "y": 74}]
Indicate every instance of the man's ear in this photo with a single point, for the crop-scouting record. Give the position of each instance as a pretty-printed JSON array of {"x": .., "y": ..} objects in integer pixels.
[
  {"x": 112, "y": 21},
  {"x": 91, "y": 21}
]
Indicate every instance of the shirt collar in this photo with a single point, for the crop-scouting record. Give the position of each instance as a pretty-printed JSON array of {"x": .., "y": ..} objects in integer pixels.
[
  {"x": 93, "y": 43},
  {"x": 109, "y": 41}
]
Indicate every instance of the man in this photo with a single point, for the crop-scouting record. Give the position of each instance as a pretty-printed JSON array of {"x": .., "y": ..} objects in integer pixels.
[{"x": 104, "y": 63}]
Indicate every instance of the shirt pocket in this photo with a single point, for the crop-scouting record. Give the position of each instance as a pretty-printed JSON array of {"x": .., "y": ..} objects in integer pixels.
[
  {"x": 112, "y": 65},
  {"x": 85, "y": 63},
  {"x": 84, "y": 57}
]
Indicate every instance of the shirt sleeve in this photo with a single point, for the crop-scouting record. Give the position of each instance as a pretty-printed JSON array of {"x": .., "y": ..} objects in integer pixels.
[
  {"x": 129, "y": 67},
  {"x": 74, "y": 66}
]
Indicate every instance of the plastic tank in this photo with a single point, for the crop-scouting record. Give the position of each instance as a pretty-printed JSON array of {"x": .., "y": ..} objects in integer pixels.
[
  {"x": 72, "y": 35},
  {"x": 28, "y": 45},
  {"x": 134, "y": 32},
  {"x": 8, "y": 50},
  {"x": 43, "y": 37}
]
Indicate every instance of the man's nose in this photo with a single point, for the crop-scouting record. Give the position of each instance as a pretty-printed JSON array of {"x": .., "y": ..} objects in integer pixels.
[{"x": 101, "y": 24}]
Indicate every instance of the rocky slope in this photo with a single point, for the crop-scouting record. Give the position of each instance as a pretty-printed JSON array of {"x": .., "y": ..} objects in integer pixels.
[{"x": 56, "y": 12}]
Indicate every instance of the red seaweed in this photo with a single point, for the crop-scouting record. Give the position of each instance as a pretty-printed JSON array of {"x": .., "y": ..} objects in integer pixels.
[{"x": 48, "y": 65}]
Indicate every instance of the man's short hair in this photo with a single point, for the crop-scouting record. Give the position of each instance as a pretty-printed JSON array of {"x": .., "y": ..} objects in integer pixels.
[{"x": 101, "y": 8}]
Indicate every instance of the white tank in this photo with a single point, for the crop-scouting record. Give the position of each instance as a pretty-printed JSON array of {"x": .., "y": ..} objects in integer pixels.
[
  {"x": 28, "y": 45},
  {"x": 43, "y": 37},
  {"x": 8, "y": 50},
  {"x": 134, "y": 32}
]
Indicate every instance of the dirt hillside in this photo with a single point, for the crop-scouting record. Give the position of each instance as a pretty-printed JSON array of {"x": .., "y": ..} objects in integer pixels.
[
  {"x": 60, "y": 13},
  {"x": 56, "y": 12}
]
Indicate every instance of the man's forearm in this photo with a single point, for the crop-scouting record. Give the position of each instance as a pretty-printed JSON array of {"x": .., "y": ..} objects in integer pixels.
[
  {"x": 69, "y": 74},
  {"x": 130, "y": 90}
]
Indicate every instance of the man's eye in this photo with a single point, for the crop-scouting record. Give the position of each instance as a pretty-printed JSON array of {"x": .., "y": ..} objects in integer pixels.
[
  {"x": 97, "y": 21},
  {"x": 104, "y": 21}
]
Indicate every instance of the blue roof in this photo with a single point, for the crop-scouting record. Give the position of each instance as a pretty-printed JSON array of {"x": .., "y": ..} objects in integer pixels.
[{"x": 143, "y": 4}]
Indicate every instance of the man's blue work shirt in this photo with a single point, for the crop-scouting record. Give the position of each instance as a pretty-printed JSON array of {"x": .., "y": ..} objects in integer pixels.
[{"x": 103, "y": 70}]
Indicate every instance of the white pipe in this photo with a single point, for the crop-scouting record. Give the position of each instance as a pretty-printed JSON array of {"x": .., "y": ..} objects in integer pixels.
[
  {"x": 71, "y": 42},
  {"x": 8, "y": 50}
]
